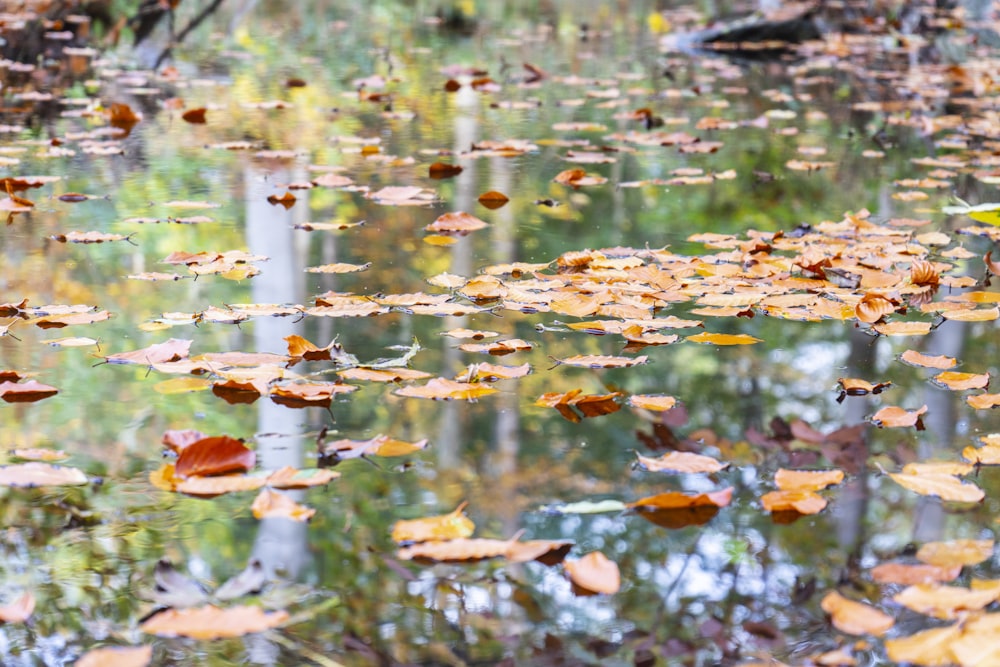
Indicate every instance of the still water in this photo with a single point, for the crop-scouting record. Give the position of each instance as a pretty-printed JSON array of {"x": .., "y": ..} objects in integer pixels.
[{"x": 321, "y": 91}]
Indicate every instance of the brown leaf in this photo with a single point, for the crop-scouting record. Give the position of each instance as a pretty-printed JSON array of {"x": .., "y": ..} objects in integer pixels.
[
  {"x": 26, "y": 392},
  {"x": 915, "y": 358},
  {"x": 177, "y": 440},
  {"x": 309, "y": 394},
  {"x": 457, "y": 222},
  {"x": 170, "y": 350},
  {"x": 210, "y": 622},
  {"x": 286, "y": 200},
  {"x": 383, "y": 375},
  {"x": 440, "y": 170},
  {"x": 493, "y": 199},
  {"x": 217, "y": 455},
  {"x": 434, "y": 528},
  {"x": 300, "y": 347},
  {"x": 195, "y": 116},
  {"x": 594, "y": 574},
  {"x": 929, "y": 647},
  {"x": 855, "y": 618},
  {"x": 576, "y": 178}
]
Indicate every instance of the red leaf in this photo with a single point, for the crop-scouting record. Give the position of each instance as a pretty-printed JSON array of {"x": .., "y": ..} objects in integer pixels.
[{"x": 217, "y": 455}]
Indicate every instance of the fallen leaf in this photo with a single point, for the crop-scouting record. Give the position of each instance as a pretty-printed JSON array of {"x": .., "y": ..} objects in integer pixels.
[
  {"x": 293, "y": 478},
  {"x": 908, "y": 573},
  {"x": 493, "y": 199},
  {"x": 931, "y": 648},
  {"x": 40, "y": 474},
  {"x": 946, "y": 487},
  {"x": 442, "y": 389},
  {"x": 855, "y": 618},
  {"x": 116, "y": 656},
  {"x": 271, "y": 504},
  {"x": 602, "y": 361},
  {"x": 676, "y": 500},
  {"x": 682, "y": 462},
  {"x": 25, "y": 392},
  {"x": 442, "y": 527},
  {"x": 896, "y": 417},
  {"x": 945, "y": 602},
  {"x": 655, "y": 403},
  {"x": 960, "y": 381},
  {"x": 803, "y": 502},
  {"x": 594, "y": 574},
  {"x": 173, "y": 349},
  {"x": 723, "y": 339},
  {"x": 457, "y": 222},
  {"x": 956, "y": 552},
  {"x": 915, "y": 358},
  {"x": 19, "y": 610},
  {"x": 216, "y": 455},
  {"x": 210, "y": 622}
]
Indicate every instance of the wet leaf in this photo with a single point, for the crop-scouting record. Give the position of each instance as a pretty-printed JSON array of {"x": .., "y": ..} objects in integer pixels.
[
  {"x": 800, "y": 501},
  {"x": 602, "y": 361},
  {"x": 19, "y": 610},
  {"x": 292, "y": 478},
  {"x": 678, "y": 500},
  {"x": 873, "y": 307},
  {"x": 983, "y": 401},
  {"x": 37, "y": 454},
  {"x": 216, "y": 455},
  {"x": 956, "y": 552},
  {"x": 855, "y": 618},
  {"x": 915, "y": 358},
  {"x": 577, "y": 178},
  {"x": 195, "y": 116},
  {"x": 209, "y": 487},
  {"x": 388, "y": 375},
  {"x": 493, "y": 199},
  {"x": 272, "y": 504},
  {"x": 961, "y": 381},
  {"x": 40, "y": 474},
  {"x": 116, "y": 656},
  {"x": 896, "y": 417},
  {"x": 170, "y": 350},
  {"x": 586, "y": 507},
  {"x": 807, "y": 480},
  {"x": 946, "y": 487},
  {"x": 26, "y": 392},
  {"x": 655, "y": 403},
  {"x": 442, "y": 527},
  {"x": 87, "y": 237},
  {"x": 442, "y": 389},
  {"x": 440, "y": 170},
  {"x": 682, "y": 462},
  {"x": 907, "y": 573},
  {"x": 931, "y": 648},
  {"x": 308, "y": 394},
  {"x": 724, "y": 339},
  {"x": 458, "y": 222},
  {"x": 594, "y": 574},
  {"x": 210, "y": 622},
  {"x": 945, "y": 602}
]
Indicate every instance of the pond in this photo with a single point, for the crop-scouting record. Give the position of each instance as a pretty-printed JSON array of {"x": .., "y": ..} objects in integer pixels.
[{"x": 539, "y": 263}]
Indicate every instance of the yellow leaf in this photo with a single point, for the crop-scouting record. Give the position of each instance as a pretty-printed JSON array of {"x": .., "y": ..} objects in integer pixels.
[{"x": 855, "y": 618}]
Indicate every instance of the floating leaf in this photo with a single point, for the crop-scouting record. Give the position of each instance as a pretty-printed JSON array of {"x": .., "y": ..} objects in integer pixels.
[
  {"x": 292, "y": 478},
  {"x": 682, "y": 462},
  {"x": 915, "y": 358},
  {"x": 272, "y": 504},
  {"x": 945, "y": 602},
  {"x": 956, "y": 552},
  {"x": 677, "y": 500},
  {"x": 946, "y": 487},
  {"x": 724, "y": 339},
  {"x": 602, "y": 361},
  {"x": 217, "y": 455},
  {"x": 873, "y": 307},
  {"x": 25, "y": 392},
  {"x": 40, "y": 474},
  {"x": 440, "y": 170},
  {"x": 983, "y": 401},
  {"x": 19, "y": 610},
  {"x": 807, "y": 480},
  {"x": 457, "y": 222},
  {"x": 170, "y": 350},
  {"x": 442, "y": 527},
  {"x": 116, "y": 656},
  {"x": 36, "y": 454},
  {"x": 493, "y": 199},
  {"x": 442, "y": 389},
  {"x": 855, "y": 618},
  {"x": 896, "y": 417},
  {"x": 594, "y": 574},
  {"x": 960, "y": 381},
  {"x": 907, "y": 573},
  {"x": 210, "y": 622},
  {"x": 803, "y": 502},
  {"x": 379, "y": 375},
  {"x": 209, "y": 487},
  {"x": 655, "y": 403}
]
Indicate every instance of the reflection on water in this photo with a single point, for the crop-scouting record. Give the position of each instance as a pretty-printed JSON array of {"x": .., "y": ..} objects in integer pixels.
[{"x": 705, "y": 585}]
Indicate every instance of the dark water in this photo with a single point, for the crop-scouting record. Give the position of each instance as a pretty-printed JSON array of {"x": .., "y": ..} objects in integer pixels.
[{"x": 742, "y": 585}]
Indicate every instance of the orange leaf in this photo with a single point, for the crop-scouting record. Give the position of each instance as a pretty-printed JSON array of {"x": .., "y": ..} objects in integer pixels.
[
  {"x": 915, "y": 358},
  {"x": 807, "y": 480},
  {"x": 383, "y": 375},
  {"x": 272, "y": 504},
  {"x": 209, "y": 487},
  {"x": 210, "y": 622},
  {"x": 195, "y": 116},
  {"x": 116, "y": 656},
  {"x": 855, "y": 618},
  {"x": 602, "y": 361},
  {"x": 594, "y": 574},
  {"x": 676, "y": 500},
  {"x": 946, "y": 487},
  {"x": 983, "y": 401},
  {"x": 461, "y": 549},
  {"x": 26, "y": 392},
  {"x": 945, "y": 602},
  {"x": 803, "y": 502},
  {"x": 724, "y": 339},
  {"x": 217, "y": 455},
  {"x": 907, "y": 574},
  {"x": 292, "y": 478},
  {"x": 19, "y": 610},
  {"x": 896, "y": 417},
  {"x": 433, "y": 528},
  {"x": 873, "y": 307},
  {"x": 440, "y": 170},
  {"x": 652, "y": 402},
  {"x": 442, "y": 389},
  {"x": 170, "y": 350},
  {"x": 956, "y": 552}
]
